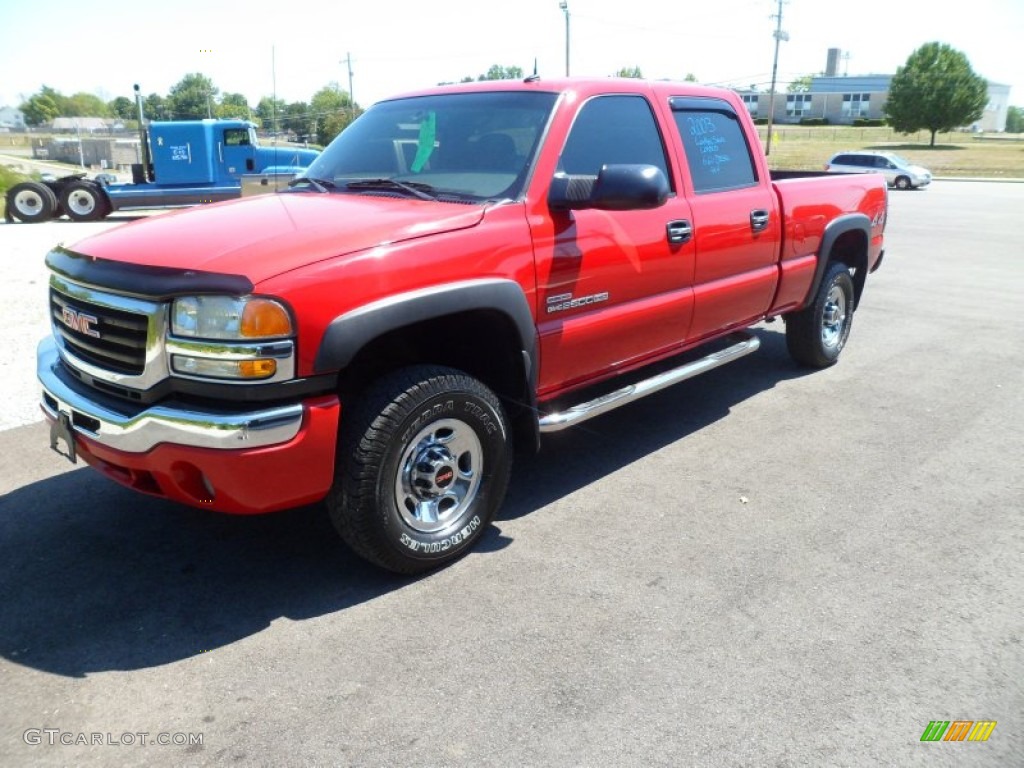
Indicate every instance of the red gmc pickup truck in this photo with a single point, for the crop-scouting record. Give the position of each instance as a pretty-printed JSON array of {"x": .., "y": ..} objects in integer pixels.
[{"x": 462, "y": 269}]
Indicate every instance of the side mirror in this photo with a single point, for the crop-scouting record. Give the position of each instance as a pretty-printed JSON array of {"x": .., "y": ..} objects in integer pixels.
[{"x": 615, "y": 188}]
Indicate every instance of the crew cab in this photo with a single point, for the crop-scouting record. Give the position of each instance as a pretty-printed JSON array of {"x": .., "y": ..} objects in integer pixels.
[{"x": 461, "y": 271}]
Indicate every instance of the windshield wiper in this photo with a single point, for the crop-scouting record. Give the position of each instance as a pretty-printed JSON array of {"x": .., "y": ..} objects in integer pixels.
[
  {"x": 320, "y": 185},
  {"x": 414, "y": 188}
]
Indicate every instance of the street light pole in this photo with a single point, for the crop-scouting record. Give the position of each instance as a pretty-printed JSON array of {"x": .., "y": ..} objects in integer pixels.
[{"x": 565, "y": 9}]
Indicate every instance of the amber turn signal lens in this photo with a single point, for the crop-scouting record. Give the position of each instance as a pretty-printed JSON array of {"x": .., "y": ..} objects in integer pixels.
[
  {"x": 257, "y": 369},
  {"x": 263, "y": 318}
]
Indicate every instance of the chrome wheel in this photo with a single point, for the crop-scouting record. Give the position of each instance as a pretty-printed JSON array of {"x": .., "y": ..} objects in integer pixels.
[
  {"x": 427, "y": 465},
  {"x": 438, "y": 476},
  {"x": 833, "y": 319},
  {"x": 816, "y": 334}
]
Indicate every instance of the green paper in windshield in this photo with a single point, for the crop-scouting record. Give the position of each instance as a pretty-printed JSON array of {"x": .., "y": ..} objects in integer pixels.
[{"x": 425, "y": 146}]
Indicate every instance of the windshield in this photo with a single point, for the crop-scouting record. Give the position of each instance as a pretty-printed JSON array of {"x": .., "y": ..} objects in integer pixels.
[{"x": 477, "y": 146}]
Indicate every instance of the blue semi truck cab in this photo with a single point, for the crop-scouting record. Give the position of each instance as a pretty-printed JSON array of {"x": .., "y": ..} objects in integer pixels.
[{"x": 190, "y": 162}]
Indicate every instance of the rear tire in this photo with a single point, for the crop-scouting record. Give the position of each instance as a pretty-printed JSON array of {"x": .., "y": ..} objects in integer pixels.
[
  {"x": 817, "y": 334},
  {"x": 423, "y": 464},
  {"x": 84, "y": 202},
  {"x": 31, "y": 202}
]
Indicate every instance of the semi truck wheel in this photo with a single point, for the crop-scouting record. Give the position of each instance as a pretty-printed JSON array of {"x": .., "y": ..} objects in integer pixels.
[
  {"x": 817, "y": 334},
  {"x": 31, "y": 202},
  {"x": 84, "y": 202},
  {"x": 423, "y": 464}
]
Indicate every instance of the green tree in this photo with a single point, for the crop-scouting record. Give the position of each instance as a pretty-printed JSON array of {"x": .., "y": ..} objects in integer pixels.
[
  {"x": 1015, "y": 120},
  {"x": 800, "y": 84},
  {"x": 85, "y": 105},
  {"x": 333, "y": 111},
  {"x": 233, "y": 105},
  {"x": 193, "y": 97},
  {"x": 498, "y": 72},
  {"x": 297, "y": 119},
  {"x": 39, "y": 109},
  {"x": 690, "y": 78},
  {"x": 630, "y": 72},
  {"x": 935, "y": 90},
  {"x": 156, "y": 107},
  {"x": 122, "y": 107},
  {"x": 270, "y": 113}
]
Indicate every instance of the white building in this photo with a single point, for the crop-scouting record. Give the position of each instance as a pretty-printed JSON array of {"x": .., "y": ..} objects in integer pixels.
[
  {"x": 11, "y": 119},
  {"x": 844, "y": 99}
]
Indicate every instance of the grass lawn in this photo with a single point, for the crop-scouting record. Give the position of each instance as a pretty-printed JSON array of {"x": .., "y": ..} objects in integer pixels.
[
  {"x": 997, "y": 156},
  {"x": 8, "y": 179}
]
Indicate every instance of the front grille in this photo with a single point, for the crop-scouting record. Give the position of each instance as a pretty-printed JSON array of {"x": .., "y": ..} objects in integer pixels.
[{"x": 111, "y": 339}]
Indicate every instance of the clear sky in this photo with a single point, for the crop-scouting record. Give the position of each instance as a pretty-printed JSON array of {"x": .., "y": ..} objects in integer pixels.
[{"x": 103, "y": 47}]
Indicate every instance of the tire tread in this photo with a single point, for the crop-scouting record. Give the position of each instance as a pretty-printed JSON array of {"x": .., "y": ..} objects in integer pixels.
[{"x": 369, "y": 428}]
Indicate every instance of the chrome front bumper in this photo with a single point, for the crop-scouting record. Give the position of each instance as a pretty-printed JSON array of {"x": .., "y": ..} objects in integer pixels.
[{"x": 132, "y": 428}]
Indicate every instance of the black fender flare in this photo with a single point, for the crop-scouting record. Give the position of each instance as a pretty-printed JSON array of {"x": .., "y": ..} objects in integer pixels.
[
  {"x": 350, "y": 332},
  {"x": 840, "y": 225}
]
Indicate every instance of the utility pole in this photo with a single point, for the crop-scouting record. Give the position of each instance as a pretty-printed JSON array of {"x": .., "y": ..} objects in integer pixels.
[
  {"x": 565, "y": 9},
  {"x": 81, "y": 155},
  {"x": 779, "y": 36},
  {"x": 351, "y": 100}
]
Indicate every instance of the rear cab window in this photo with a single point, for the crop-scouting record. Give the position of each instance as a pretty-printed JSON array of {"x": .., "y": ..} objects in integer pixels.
[{"x": 715, "y": 144}]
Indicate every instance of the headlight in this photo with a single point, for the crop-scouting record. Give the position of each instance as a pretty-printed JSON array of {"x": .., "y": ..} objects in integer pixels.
[{"x": 228, "y": 317}]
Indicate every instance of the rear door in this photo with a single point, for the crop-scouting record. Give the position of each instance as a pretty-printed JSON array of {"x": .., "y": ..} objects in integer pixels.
[{"x": 736, "y": 220}]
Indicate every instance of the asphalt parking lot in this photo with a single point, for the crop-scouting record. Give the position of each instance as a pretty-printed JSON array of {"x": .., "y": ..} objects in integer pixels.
[{"x": 761, "y": 566}]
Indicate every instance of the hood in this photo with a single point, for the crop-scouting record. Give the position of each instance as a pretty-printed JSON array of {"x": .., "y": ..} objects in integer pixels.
[{"x": 266, "y": 235}]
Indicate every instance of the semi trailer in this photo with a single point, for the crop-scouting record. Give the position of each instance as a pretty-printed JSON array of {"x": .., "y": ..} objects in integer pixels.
[{"x": 184, "y": 162}]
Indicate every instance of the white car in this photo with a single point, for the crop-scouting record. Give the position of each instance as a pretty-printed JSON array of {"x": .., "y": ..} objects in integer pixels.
[{"x": 898, "y": 172}]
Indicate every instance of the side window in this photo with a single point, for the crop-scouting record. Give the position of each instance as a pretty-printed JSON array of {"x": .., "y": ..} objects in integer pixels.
[
  {"x": 236, "y": 137},
  {"x": 715, "y": 145},
  {"x": 846, "y": 160},
  {"x": 610, "y": 130}
]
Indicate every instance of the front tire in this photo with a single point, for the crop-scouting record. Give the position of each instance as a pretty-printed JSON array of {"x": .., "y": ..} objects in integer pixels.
[
  {"x": 423, "y": 464},
  {"x": 84, "y": 202},
  {"x": 902, "y": 182},
  {"x": 31, "y": 202},
  {"x": 817, "y": 334}
]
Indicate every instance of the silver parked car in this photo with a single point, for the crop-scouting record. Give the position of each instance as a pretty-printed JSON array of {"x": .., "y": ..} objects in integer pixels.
[{"x": 899, "y": 172}]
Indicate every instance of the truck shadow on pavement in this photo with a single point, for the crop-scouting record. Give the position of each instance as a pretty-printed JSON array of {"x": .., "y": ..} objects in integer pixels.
[
  {"x": 99, "y": 578},
  {"x": 577, "y": 457}
]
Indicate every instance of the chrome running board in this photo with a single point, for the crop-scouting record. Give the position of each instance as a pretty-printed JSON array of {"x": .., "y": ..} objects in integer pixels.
[{"x": 555, "y": 422}]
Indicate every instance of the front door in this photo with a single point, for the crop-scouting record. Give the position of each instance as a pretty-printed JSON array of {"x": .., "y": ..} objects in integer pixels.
[
  {"x": 614, "y": 286},
  {"x": 236, "y": 152}
]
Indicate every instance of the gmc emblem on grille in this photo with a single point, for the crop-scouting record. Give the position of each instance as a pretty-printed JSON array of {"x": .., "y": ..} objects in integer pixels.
[{"x": 79, "y": 321}]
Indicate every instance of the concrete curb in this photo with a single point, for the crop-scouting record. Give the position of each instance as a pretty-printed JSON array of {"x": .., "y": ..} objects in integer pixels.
[{"x": 977, "y": 178}]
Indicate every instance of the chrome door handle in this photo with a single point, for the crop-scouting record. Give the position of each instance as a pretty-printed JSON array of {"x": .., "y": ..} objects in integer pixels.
[
  {"x": 759, "y": 219},
  {"x": 679, "y": 231}
]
